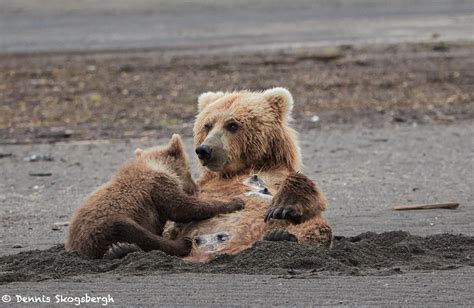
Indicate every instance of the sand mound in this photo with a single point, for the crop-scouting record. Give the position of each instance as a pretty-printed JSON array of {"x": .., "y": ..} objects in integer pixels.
[{"x": 365, "y": 254}]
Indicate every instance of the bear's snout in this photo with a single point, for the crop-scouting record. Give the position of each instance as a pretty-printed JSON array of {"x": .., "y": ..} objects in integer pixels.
[{"x": 204, "y": 152}]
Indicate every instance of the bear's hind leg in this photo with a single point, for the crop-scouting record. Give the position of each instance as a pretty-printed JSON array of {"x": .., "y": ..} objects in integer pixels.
[
  {"x": 280, "y": 235},
  {"x": 315, "y": 231}
]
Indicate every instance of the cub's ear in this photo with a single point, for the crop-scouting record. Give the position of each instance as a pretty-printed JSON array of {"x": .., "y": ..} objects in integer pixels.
[
  {"x": 176, "y": 146},
  {"x": 138, "y": 152},
  {"x": 206, "y": 98},
  {"x": 280, "y": 99}
]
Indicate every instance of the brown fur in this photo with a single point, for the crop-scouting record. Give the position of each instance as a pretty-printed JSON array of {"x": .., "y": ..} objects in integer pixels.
[
  {"x": 263, "y": 143},
  {"x": 298, "y": 191},
  {"x": 135, "y": 204}
]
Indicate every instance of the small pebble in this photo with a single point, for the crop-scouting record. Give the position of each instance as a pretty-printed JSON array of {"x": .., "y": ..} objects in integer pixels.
[
  {"x": 91, "y": 68},
  {"x": 61, "y": 223},
  {"x": 3, "y": 155},
  {"x": 40, "y": 174},
  {"x": 39, "y": 157}
]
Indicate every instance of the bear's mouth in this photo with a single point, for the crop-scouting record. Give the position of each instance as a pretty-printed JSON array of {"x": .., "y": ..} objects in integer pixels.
[{"x": 213, "y": 164}]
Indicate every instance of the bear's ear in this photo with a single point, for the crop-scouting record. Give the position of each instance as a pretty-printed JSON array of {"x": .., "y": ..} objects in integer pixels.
[
  {"x": 176, "y": 147},
  {"x": 138, "y": 152},
  {"x": 280, "y": 99},
  {"x": 206, "y": 98}
]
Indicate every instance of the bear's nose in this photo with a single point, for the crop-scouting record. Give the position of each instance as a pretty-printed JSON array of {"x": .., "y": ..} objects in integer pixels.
[{"x": 204, "y": 152}]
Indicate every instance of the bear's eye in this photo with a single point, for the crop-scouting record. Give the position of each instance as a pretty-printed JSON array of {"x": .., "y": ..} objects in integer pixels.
[
  {"x": 208, "y": 127},
  {"x": 232, "y": 127}
]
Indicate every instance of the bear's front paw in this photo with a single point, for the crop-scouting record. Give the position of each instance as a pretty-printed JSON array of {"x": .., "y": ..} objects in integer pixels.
[
  {"x": 280, "y": 235},
  {"x": 289, "y": 212}
]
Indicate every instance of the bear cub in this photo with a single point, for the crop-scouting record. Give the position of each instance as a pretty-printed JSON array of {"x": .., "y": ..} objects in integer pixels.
[{"x": 134, "y": 206}]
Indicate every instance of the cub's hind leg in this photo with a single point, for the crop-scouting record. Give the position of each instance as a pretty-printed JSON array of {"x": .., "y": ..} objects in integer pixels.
[{"x": 133, "y": 233}]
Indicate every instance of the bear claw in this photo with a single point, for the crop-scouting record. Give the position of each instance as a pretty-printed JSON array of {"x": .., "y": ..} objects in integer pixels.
[
  {"x": 288, "y": 213},
  {"x": 120, "y": 250},
  {"x": 280, "y": 235}
]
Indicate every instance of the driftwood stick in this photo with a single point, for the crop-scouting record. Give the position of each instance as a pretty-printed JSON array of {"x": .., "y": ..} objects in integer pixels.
[{"x": 451, "y": 206}]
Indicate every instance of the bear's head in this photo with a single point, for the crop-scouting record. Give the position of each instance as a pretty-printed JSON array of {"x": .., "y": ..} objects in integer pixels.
[
  {"x": 171, "y": 157},
  {"x": 241, "y": 131}
]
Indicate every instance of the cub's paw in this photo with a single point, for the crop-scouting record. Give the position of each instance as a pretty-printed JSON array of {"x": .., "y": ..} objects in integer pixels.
[
  {"x": 182, "y": 247},
  {"x": 280, "y": 235},
  {"x": 120, "y": 250},
  {"x": 288, "y": 212},
  {"x": 235, "y": 205}
]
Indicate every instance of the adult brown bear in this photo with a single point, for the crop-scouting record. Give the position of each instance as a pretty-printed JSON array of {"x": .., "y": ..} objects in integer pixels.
[{"x": 248, "y": 150}]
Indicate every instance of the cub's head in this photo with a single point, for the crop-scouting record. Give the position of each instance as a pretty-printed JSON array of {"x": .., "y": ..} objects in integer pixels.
[
  {"x": 245, "y": 130},
  {"x": 172, "y": 157}
]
